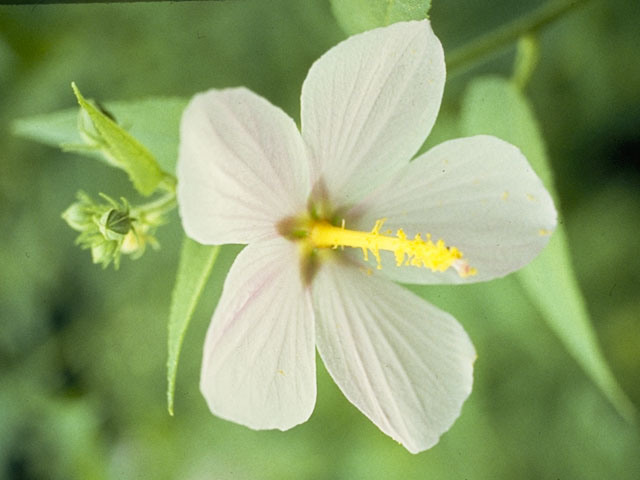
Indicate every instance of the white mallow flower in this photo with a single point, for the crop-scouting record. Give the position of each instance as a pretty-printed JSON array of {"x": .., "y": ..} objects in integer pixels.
[{"x": 331, "y": 215}]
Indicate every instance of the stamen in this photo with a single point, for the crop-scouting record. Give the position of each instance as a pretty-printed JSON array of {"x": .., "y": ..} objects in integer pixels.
[{"x": 415, "y": 252}]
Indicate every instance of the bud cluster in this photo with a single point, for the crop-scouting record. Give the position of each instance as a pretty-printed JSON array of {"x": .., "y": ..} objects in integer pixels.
[{"x": 111, "y": 229}]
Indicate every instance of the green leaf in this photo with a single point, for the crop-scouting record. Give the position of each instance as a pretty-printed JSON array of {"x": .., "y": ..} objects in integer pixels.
[
  {"x": 495, "y": 106},
  {"x": 196, "y": 263},
  {"x": 54, "y": 129},
  {"x": 355, "y": 16},
  {"x": 154, "y": 122},
  {"x": 122, "y": 149}
]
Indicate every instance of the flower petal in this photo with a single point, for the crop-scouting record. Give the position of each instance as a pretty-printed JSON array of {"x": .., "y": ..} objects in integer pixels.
[
  {"x": 242, "y": 167},
  {"x": 405, "y": 364},
  {"x": 258, "y": 367},
  {"x": 478, "y": 194},
  {"x": 368, "y": 105}
]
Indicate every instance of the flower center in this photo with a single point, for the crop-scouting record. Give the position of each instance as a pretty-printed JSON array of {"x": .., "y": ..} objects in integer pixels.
[{"x": 415, "y": 252}]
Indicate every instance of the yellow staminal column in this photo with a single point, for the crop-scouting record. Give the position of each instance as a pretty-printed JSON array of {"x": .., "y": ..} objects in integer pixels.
[{"x": 416, "y": 252}]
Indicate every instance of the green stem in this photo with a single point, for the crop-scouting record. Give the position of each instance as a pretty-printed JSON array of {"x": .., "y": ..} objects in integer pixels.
[
  {"x": 527, "y": 56},
  {"x": 169, "y": 183},
  {"x": 465, "y": 57},
  {"x": 157, "y": 207}
]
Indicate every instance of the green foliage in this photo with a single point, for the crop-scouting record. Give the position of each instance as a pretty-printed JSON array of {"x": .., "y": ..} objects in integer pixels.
[
  {"x": 196, "y": 263},
  {"x": 53, "y": 129},
  {"x": 153, "y": 122},
  {"x": 495, "y": 106},
  {"x": 104, "y": 229},
  {"x": 120, "y": 148},
  {"x": 355, "y": 16}
]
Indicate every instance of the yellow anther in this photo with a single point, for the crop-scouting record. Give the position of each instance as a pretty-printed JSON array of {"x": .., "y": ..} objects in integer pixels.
[
  {"x": 416, "y": 252},
  {"x": 377, "y": 226}
]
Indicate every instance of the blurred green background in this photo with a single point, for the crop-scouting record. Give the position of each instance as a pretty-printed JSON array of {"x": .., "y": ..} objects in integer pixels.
[{"x": 83, "y": 350}]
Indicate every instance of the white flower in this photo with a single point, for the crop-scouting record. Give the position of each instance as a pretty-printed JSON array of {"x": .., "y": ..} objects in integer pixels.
[{"x": 247, "y": 175}]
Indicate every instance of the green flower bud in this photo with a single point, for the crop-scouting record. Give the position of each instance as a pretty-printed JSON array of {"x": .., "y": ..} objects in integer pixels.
[
  {"x": 119, "y": 221},
  {"x": 104, "y": 252},
  {"x": 115, "y": 223},
  {"x": 133, "y": 244},
  {"x": 113, "y": 228},
  {"x": 77, "y": 216}
]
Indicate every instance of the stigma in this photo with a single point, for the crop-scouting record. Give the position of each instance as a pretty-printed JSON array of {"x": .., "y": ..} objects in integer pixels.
[{"x": 416, "y": 252}]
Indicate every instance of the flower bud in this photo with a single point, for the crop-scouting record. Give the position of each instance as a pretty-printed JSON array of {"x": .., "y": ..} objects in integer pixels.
[
  {"x": 113, "y": 228},
  {"x": 77, "y": 216},
  {"x": 115, "y": 223},
  {"x": 104, "y": 252}
]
